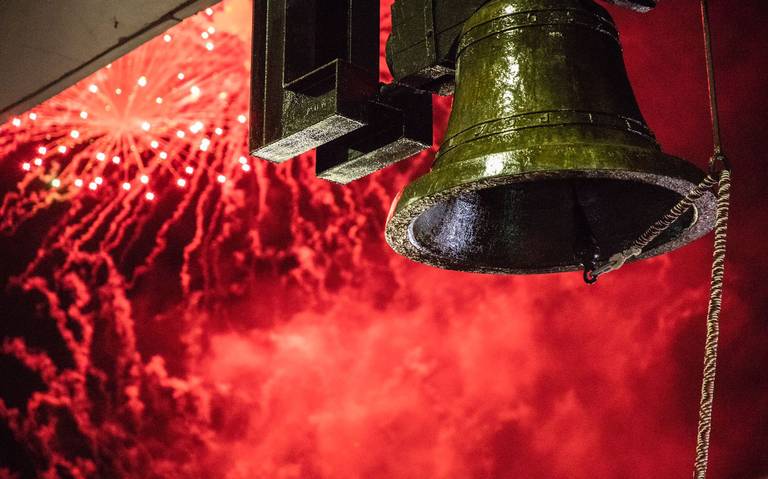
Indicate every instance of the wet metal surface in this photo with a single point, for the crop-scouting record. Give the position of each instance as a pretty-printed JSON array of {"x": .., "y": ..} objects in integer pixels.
[{"x": 545, "y": 129}]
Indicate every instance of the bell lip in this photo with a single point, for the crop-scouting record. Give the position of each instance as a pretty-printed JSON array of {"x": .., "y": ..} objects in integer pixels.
[{"x": 654, "y": 168}]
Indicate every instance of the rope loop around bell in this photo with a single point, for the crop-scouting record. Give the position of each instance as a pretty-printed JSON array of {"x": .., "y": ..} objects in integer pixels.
[{"x": 618, "y": 260}]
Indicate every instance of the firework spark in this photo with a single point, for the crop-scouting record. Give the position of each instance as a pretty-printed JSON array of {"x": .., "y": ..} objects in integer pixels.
[{"x": 136, "y": 127}]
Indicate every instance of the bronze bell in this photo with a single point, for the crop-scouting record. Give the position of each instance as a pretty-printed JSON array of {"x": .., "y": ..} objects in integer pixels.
[{"x": 547, "y": 163}]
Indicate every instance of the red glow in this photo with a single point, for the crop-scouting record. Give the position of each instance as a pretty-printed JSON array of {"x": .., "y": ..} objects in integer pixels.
[{"x": 254, "y": 324}]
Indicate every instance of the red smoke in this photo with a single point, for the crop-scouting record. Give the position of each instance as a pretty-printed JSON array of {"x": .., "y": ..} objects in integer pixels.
[{"x": 265, "y": 330}]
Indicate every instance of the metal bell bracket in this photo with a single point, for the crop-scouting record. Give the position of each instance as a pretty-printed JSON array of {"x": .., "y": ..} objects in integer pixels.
[{"x": 315, "y": 70}]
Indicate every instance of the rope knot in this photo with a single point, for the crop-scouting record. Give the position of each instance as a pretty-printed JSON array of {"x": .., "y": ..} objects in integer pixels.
[
  {"x": 617, "y": 260},
  {"x": 718, "y": 162}
]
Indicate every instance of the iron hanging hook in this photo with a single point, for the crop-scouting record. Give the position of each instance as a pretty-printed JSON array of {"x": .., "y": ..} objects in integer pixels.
[
  {"x": 590, "y": 264},
  {"x": 589, "y": 276},
  {"x": 615, "y": 262}
]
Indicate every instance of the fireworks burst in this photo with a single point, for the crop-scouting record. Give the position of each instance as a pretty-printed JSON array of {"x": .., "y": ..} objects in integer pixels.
[
  {"x": 151, "y": 120},
  {"x": 165, "y": 125}
]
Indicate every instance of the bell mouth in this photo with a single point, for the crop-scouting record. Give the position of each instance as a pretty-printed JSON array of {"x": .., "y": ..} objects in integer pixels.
[{"x": 541, "y": 222}]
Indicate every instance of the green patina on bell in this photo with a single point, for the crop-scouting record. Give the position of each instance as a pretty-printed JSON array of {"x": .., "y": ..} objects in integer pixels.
[{"x": 547, "y": 162}]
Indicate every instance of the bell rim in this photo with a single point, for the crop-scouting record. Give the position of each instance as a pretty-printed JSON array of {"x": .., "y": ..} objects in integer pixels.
[{"x": 660, "y": 169}]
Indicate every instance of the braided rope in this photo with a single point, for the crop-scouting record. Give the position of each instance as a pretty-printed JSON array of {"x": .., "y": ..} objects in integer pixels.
[
  {"x": 678, "y": 210},
  {"x": 713, "y": 327},
  {"x": 718, "y": 263}
]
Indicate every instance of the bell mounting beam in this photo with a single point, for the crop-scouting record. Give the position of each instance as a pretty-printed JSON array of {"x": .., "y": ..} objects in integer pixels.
[
  {"x": 421, "y": 51},
  {"x": 315, "y": 85}
]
